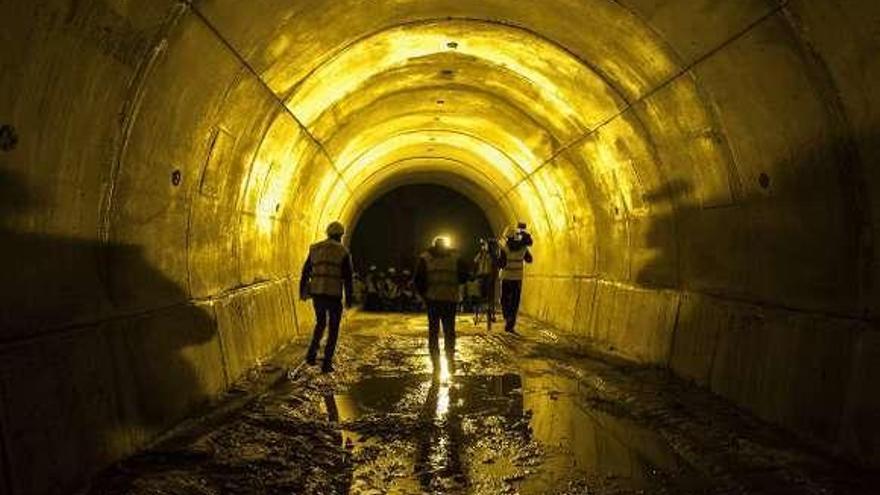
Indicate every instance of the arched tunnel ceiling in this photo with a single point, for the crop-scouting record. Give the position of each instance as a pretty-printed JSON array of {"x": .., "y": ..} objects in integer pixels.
[
  {"x": 691, "y": 144},
  {"x": 286, "y": 48},
  {"x": 607, "y": 125},
  {"x": 512, "y": 71},
  {"x": 564, "y": 88},
  {"x": 585, "y": 118},
  {"x": 504, "y": 100},
  {"x": 700, "y": 175}
]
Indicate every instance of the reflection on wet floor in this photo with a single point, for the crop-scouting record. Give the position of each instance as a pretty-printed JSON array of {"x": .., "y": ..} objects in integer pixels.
[
  {"x": 517, "y": 416},
  {"x": 577, "y": 438},
  {"x": 537, "y": 419}
]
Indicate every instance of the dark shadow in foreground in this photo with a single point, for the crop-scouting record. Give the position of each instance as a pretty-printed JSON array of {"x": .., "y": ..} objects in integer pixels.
[{"x": 96, "y": 349}]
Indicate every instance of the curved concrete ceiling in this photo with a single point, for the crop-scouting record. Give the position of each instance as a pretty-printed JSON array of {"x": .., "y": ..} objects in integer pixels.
[{"x": 687, "y": 166}]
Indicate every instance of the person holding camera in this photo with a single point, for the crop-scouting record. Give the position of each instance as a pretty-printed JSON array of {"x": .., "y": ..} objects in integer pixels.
[
  {"x": 514, "y": 256},
  {"x": 486, "y": 266}
]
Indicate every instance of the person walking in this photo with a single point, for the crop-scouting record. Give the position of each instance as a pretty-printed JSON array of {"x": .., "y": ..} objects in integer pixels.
[
  {"x": 438, "y": 275},
  {"x": 514, "y": 256},
  {"x": 326, "y": 277},
  {"x": 486, "y": 266}
]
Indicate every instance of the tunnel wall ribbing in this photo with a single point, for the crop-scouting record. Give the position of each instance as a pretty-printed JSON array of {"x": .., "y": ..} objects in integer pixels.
[
  {"x": 763, "y": 294},
  {"x": 132, "y": 296}
]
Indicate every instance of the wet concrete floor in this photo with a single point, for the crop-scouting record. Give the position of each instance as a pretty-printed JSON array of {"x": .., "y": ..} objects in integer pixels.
[{"x": 519, "y": 415}]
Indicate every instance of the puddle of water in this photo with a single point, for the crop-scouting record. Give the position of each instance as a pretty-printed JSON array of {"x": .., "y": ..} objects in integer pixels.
[
  {"x": 481, "y": 395},
  {"x": 596, "y": 443},
  {"x": 529, "y": 432},
  {"x": 340, "y": 409},
  {"x": 371, "y": 396}
]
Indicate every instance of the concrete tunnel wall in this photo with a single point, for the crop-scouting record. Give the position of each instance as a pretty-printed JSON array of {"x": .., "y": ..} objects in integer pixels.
[{"x": 700, "y": 176}]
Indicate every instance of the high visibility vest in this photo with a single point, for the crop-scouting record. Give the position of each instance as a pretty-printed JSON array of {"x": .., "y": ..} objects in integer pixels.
[
  {"x": 485, "y": 265},
  {"x": 442, "y": 277},
  {"x": 327, "y": 257},
  {"x": 515, "y": 263}
]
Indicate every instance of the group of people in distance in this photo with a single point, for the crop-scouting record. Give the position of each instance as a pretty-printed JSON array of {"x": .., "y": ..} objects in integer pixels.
[
  {"x": 441, "y": 284},
  {"x": 389, "y": 290}
]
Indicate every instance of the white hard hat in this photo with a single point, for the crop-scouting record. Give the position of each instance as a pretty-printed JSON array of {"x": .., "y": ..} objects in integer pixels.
[{"x": 335, "y": 229}]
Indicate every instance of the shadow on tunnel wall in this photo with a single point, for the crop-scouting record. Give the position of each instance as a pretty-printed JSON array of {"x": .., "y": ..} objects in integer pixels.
[
  {"x": 769, "y": 296},
  {"x": 97, "y": 351}
]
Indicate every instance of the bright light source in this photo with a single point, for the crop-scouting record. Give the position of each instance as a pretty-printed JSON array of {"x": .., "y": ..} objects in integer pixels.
[{"x": 446, "y": 238}]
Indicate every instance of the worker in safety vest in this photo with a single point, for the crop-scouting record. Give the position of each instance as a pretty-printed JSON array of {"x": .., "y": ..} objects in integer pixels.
[
  {"x": 514, "y": 256},
  {"x": 437, "y": 278},
  {"x": 326, "y": 275},
  {"x": 486, "y": 265}
]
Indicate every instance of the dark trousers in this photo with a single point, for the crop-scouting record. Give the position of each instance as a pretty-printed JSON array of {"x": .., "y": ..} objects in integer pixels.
[
  {"x": 511, "y": 291},
  {"x": 441, "y": 313},
  {"x": 487, "y": 287},
  {"x": 326, "y": 307}
]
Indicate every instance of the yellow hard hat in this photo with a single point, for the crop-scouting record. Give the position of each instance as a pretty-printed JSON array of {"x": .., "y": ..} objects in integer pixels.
[{"x": 335, "y": 229}]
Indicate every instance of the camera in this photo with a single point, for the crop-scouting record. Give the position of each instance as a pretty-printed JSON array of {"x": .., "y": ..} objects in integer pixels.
[{"x": 520, "y": 235}]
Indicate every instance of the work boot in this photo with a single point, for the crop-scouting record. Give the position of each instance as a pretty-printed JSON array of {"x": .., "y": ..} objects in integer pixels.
[
  {"x": 327, "y": 368},
  {"x": 311, "y": 361}
]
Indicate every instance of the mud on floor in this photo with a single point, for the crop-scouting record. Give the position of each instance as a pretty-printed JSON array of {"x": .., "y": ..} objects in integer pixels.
[{"x": 518, "y": 415}]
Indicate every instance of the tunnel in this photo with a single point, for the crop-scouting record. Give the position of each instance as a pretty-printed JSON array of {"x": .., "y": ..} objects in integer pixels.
[
  {"x": 392, "y": 231},
  {"x": 699, "y": 177}
]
